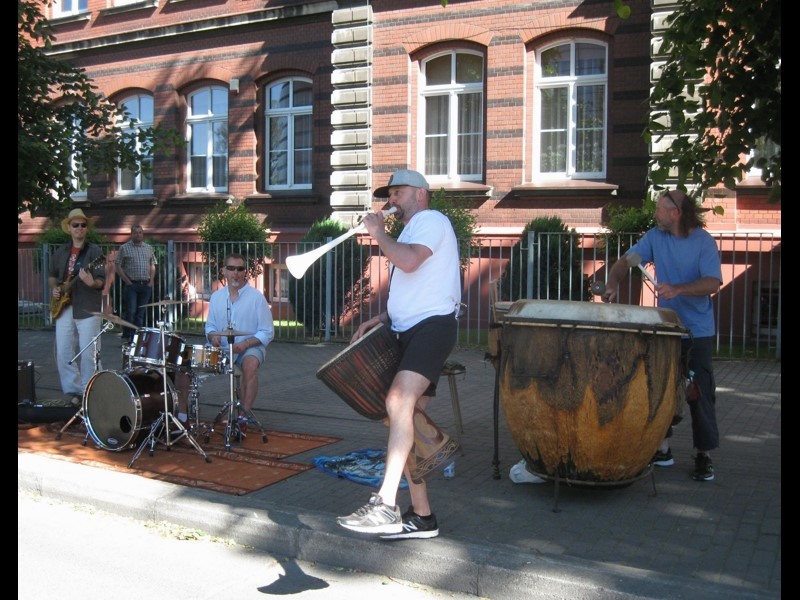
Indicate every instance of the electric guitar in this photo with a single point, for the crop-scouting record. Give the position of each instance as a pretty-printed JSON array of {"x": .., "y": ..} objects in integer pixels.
[{"x": 58, "y": 304}]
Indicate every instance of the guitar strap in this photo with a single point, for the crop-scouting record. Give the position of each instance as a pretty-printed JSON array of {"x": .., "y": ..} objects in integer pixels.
[{"x": 78, "y": 261}]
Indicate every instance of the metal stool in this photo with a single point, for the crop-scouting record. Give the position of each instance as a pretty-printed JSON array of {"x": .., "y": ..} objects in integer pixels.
[{"x": 451, "y": 369}]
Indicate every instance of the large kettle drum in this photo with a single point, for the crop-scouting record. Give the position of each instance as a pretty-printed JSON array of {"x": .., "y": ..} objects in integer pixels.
[{"x": 589, "y": 389}]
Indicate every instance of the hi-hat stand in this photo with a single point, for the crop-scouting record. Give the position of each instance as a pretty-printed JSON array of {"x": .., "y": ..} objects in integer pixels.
[
  {"x": 234, "y": 407},
  {"x": 166, "y": 419},
  {"x": 81, "y": 413}
]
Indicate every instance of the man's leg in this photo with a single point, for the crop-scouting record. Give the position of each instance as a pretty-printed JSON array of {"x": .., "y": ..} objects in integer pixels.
[
  {"x": 88, "y": 328},
  {"x": 249, "y": 383},
  {"x": 130, "y": 308},
  {"x": 65, "y": 349}
]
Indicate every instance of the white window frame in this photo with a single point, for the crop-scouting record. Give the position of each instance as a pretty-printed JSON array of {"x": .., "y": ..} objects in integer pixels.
[
  {"x": 454, "y": 92},
  {"x": 67, "y": 8},
  {"x": 141, "y": 117},
  {"x": 572, "y": 84},
  {"x": 289, "y": 149},
  {"x": 211, "y": 122},
  {"x": 279, "y": 283}
]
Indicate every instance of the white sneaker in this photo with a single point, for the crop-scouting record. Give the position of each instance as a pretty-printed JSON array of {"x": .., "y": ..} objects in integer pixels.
[{"x": 519, "y": 474}]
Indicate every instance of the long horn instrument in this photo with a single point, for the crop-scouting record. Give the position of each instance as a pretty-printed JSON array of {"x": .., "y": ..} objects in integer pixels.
[{"x": 299, "y": 263}]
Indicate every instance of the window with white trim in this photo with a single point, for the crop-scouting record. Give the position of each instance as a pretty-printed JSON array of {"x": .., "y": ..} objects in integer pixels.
[
  {"x": 288, "y": 143},
  {"x": 207, "y": 136},
  {"x": 66, "y": 8},
  {"x": 139, "y": 109},
  {"x": 571, "y": 115},
  {"x": 452, "y": 116}
]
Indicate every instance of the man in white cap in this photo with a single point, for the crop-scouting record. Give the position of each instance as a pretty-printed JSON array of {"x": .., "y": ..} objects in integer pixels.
[
  {"x": 76, "y": 279},
  {"x": 423, "y": 303}
]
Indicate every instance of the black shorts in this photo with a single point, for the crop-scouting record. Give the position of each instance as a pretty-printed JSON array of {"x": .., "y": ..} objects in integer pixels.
[{"x": 426, "y": 346}]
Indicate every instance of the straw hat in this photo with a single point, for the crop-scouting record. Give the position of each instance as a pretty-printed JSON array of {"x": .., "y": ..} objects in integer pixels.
[{"x": 75, "y": 213}]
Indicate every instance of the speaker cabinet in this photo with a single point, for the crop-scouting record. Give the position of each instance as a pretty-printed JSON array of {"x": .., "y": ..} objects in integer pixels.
[{"x": 25, "y": 387}]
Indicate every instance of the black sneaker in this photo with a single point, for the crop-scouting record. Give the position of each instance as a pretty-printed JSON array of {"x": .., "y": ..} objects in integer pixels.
[
  {"x": 703, "y": 469},
  {"x": 663, "y": 459},
  {"x": 415, "y": 526}
]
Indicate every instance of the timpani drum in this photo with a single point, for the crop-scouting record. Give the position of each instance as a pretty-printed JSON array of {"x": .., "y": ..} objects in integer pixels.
[
  {"x": 362, "y": 374},
  {"x": 589, "y": 389}
]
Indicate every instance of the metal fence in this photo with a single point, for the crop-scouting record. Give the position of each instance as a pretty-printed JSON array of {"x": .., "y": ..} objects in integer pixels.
[{"x": 349, "y": 284}]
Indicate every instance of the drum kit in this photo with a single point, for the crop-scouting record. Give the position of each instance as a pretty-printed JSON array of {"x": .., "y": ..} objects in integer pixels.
[{"x": 135, "y": 406}]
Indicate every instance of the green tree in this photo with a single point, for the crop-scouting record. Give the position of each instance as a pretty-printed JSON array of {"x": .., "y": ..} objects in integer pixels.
[
  {"x": 719, "y": 94},
  {"x": 557, "y": 264},
  {"x": 228, "y": 228},
  {"x": 61, "y": 119}
]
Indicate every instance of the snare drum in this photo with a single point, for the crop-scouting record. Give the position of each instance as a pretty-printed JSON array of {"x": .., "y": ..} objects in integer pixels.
[
  {"x": 148, "y": 352},
  {"x": 206, "y": 359}
]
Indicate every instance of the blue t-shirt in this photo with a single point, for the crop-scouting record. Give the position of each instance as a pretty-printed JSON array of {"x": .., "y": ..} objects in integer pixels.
[{"x": 680, "y": 260}]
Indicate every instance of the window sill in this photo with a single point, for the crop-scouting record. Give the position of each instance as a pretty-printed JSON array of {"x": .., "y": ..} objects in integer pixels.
[
  {"x": 198, "y": 199},
  {"x": 463, "y": 188},
  {"x": 293, "y": 197},
  {"x": 66, "y": 19},
  {"x": 574, "y": 188},
  {"x": 115, "y": 10},
  {"x": 127, "y": 201}
]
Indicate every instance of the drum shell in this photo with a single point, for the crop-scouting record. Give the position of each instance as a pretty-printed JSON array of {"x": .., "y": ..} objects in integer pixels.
[
  {"x": 362, "y": 373},
  {"x": 589, "y": 390},
  {"x": 120, "y": 407},
  {"x": 204, "y": 358},
  {"x": 148, "y": 351}
]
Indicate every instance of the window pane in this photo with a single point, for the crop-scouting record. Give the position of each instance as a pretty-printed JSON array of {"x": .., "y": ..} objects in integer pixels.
[
  {"x": 220, "y": 165},
  {"x": 437, "y": 115},
  {"x": 198, "y": 171},
  {"x": 200, "y": 103},
  {"x": 555, "y": 61},
  {"x": 590, "y": 59},
  {"x": 438, "y": 71},
  {"x": 470, "y": 134},
  {"x": 219, "y": 103},
  {"x": 302, "y": 93},
  {"x": 469, "y": 68},
  {"x": 127, "y": 181},
  {"x": 302, "y": 166},
  {"x": 553, "y": 139},
  {"x": 279, "y": 95},
  {"x": 590, "y": 115}
]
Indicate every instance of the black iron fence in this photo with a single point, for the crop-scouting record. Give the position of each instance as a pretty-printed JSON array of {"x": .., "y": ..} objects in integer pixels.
[{"x": 349, "y": 284}]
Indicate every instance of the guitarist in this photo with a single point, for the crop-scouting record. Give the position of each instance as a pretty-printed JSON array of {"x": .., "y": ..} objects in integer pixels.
[{"x": 76, "y": 293}]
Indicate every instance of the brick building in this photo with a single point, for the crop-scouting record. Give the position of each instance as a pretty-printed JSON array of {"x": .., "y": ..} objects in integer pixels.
[{"x": 299, "y": 109}]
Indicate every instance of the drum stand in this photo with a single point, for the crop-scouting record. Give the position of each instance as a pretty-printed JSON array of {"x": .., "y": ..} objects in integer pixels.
[
  {"x": 234, "y": 407},
  {"x": 166, "y": 419},
  {"x": 81, "y": 414}
]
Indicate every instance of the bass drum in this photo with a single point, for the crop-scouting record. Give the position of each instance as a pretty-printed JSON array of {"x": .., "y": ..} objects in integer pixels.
[{"x": 120, "y": 407}]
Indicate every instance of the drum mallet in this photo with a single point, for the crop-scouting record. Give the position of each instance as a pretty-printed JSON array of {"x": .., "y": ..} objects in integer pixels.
[{"x": 633, "y": 260}]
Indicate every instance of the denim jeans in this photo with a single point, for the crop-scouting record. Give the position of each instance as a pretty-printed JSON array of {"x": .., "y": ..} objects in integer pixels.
[{"x": 136, "y": 294}]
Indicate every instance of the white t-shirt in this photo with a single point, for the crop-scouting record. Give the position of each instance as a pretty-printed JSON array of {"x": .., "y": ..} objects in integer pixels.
[{"x": 435, "y": 287}]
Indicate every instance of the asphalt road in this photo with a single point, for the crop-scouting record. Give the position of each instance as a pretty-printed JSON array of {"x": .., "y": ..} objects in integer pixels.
[{"x": 75, "y": 552}]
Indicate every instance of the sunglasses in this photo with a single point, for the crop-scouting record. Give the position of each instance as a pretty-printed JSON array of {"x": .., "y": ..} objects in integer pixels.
[
  {"x": 232, "y": 268},
  {"x": 81, "y": 225},
  {"x": 669, "y": 195}
]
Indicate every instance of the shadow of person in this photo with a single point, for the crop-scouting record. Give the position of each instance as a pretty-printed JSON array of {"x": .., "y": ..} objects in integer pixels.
[{"x": 293, "y": 581}]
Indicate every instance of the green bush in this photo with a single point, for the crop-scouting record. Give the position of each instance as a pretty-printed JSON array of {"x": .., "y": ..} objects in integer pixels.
[
  {"x": 558, "y": 274},
  {"x": 308, "y": 296},
  {"x": 626, "y": 225},
  {"x": 226, "y": 229}
]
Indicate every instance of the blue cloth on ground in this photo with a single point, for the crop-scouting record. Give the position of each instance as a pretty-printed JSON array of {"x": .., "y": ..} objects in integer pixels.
[{"x": 362, "y": 466}]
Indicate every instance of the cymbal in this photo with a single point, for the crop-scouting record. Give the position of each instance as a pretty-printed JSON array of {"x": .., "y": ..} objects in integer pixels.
[
  {"x": 231, "y": 333},
  {"x": 166, "y": 303},
  {"x": 115, "y": 319}
]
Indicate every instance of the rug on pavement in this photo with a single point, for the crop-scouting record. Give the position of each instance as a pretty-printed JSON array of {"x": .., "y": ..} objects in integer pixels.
[
  {"x": 248, "y": 466},
  {"x": 362, "y": 466}
]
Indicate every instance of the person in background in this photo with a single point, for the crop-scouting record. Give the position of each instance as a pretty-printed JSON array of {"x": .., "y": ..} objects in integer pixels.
[
  {"x": 422, "y": 308},
  {"x": 76, "y": 278},
  {"x": 688, "y": 271},
  {"x": 241, "y": 307},
  {"x": 136, "y": 265}
]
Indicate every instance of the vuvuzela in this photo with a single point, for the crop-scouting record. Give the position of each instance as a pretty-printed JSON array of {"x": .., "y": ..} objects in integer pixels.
[{"x": 299, "y": 263}]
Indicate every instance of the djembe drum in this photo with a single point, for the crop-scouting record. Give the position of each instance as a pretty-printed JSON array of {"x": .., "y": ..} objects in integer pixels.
[
  {"x": 589, "y": 389},
  {"x": 362, "y": 374}
]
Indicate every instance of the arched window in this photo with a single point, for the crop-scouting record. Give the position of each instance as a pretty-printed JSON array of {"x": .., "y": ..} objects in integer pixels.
[
  {"x": 452, "y": 114},
  {"x": 570, "y": 119},
  {"x": 139, "y": 108},
  {"x": 288, "y": 143},
  {"x": 207, "y": 136}
]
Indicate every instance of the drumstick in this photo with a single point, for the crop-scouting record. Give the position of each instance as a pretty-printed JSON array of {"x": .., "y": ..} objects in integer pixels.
[{"x": 634, "y": 260}]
